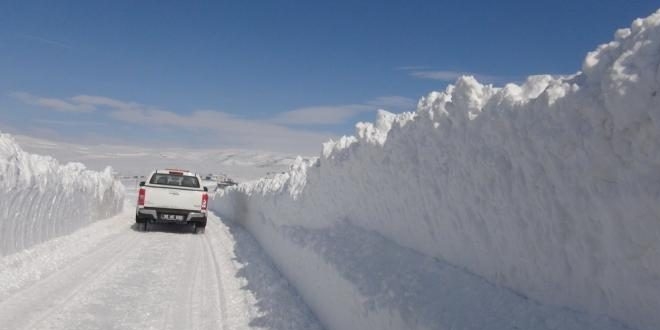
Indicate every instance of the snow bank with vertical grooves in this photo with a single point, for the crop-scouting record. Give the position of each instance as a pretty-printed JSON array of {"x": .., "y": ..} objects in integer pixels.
[
  {"x": 41, "y": 199},
  {"x": 550, "y": 188}
]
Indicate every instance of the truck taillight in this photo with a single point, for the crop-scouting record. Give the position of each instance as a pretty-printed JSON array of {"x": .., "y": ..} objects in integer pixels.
[
  {"x": 141, "y": 197},
  {"x": 205, "y": 201}
]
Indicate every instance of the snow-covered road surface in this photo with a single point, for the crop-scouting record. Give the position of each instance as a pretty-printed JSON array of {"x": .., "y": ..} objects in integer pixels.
[{"x": 110, "y": 276}]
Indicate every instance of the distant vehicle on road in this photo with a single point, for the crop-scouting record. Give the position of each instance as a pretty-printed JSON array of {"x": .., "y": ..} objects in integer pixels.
[
  {"x": 172, "y": 196},
  {"x": 225, "y": 183}
]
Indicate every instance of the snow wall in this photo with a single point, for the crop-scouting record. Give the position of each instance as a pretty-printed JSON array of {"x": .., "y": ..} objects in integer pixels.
[
  {"x": 41, "y": 199},
  {"x": 550, "y": 188}
]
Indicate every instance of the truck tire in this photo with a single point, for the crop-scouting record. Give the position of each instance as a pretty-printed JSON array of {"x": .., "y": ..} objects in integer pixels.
[{"x": 198, "y": 228}]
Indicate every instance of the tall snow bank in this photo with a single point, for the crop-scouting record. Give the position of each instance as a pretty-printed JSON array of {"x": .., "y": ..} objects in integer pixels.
[
  {"x": 41, "y": 199},
  {"x": 550, "y": 188}
]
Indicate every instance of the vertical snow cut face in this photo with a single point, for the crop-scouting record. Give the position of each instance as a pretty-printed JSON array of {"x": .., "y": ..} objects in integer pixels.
[
  {"x": 550, "y": 188},
  {"x": 41, "y": 199}
]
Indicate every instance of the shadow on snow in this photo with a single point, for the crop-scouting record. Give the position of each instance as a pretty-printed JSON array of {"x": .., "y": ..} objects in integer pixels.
[{"x": 277, "y": 301}]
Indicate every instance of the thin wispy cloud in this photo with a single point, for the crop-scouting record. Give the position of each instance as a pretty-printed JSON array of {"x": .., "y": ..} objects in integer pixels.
[
  {"x": 228, "y": 128},
  {"x": 47, "y": 41},
  {"x": 451, "y": 76},
  {"x": 61, "y": 105},
  {"x": 101, "y": 101},
  {"x": 55, "y": 122},
  {"x": 313, "y": 115},
  {"x": 439, "y": 75},
  {"x": 225, "y": 128},
  {"x": 337, "y": 114},
  {"x": 411, "y": 67},
  {"x": 421, "y": 72},
  {"x": 394, "y": 103},
  {"x": 281, "y": 132},
  {"x": 321, "y": 115}
]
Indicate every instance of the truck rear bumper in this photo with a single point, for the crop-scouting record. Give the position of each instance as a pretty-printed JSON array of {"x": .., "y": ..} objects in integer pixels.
[{"x": 158, "y": 215}]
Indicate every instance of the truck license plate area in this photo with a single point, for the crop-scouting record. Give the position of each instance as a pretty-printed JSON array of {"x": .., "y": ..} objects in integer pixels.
[{"x": 171, "y": 217}]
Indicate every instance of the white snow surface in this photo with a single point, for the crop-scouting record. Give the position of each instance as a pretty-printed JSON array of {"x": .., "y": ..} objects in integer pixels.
[
  {"x": 240, "y": 164},
  {"x": 108, "y": 275},
  {"x": 550, "y": 189},
  {"x": 41, "y": 199}
]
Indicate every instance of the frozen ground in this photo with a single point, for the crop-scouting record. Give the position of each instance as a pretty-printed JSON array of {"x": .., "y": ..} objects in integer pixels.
[
  {"x": 549, "y": 189},
  {"x": 110, "y": 276}
]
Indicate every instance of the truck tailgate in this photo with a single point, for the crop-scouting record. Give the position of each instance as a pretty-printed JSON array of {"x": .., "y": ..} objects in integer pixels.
[{"x": 180, "y": 199}]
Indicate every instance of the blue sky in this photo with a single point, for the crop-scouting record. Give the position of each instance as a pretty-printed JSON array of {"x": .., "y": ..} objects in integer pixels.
[{"x": 280, "y": 75}]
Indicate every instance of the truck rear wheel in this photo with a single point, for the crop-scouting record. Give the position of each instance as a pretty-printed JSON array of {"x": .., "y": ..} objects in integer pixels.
[{"x": 198, "y": 228}]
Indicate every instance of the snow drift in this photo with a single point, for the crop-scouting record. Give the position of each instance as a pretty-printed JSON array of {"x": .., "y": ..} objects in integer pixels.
[
  {"x": 41, "y": 199},
  {"x": 550, "y": 188}
]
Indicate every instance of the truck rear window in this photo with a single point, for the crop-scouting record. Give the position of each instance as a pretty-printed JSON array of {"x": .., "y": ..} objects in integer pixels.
[{"x": 174, "y": 180}]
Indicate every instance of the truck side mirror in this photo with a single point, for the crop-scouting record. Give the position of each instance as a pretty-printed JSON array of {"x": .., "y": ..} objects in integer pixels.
[
  {"x": 141, "y": 183},
  {"x": 206, "y": 188}
]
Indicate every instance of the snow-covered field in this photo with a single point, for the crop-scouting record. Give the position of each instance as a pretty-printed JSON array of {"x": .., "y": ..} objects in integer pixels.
[
  {"x": 550, "y": 188},
  {"x": 41, "y": 199},
  {"x": 138, "y": 160}
]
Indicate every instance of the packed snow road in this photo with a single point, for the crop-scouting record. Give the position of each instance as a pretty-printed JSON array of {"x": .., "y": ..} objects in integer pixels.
[{"x": 111, "y": 276}]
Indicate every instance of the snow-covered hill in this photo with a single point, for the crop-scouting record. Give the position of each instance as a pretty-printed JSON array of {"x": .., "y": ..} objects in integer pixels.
[
  {"x": 550, "y": 188},
  {"x": 140, "y": 160},
  {"x": 41, "y": 199}
]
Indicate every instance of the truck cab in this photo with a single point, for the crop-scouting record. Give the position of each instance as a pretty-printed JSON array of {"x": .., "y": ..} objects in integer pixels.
[{"x": 172, "y": 196}]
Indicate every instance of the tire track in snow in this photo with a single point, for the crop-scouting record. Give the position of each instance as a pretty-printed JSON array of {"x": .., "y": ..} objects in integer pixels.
[
  {"x": 183, "y": 319},
  {"x": 219, "y": 292},
  {"x": 193, "y": 292},
  {"x": 98, "y": 275},
  {"x": 19, "y": 308}
]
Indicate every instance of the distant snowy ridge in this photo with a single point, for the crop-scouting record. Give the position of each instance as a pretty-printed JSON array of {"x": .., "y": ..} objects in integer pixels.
[
  {"x": 550, "y": 188},
  {"x": 41, "y": 199},
  {"x": 134, "y": 160}
]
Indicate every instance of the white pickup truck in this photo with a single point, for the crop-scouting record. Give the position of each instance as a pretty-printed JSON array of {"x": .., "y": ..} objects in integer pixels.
[{"x": 174, "y": 197}]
